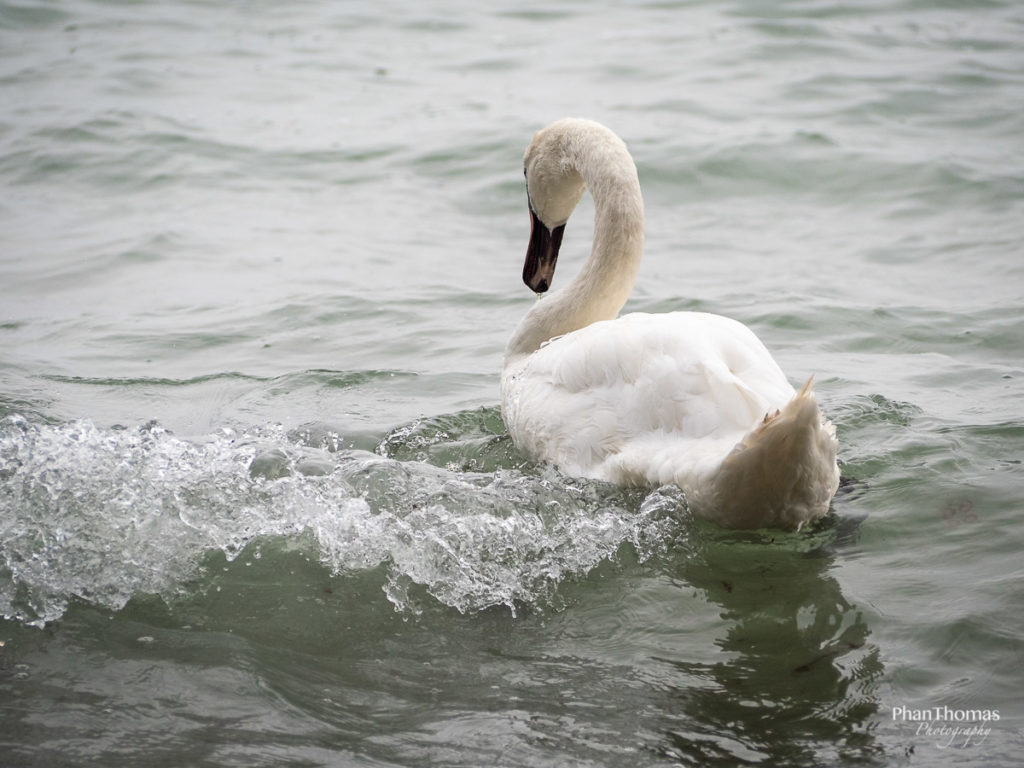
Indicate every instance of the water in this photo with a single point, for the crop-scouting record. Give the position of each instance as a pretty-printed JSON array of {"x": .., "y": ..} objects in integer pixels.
[{"x": 258, "y": 263}]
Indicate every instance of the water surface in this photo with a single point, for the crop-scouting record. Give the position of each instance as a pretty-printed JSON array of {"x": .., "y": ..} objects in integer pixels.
[{"x": 258, "y": 264}]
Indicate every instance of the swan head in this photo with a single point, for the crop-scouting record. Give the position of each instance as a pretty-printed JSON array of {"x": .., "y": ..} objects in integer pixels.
[{"x": 553, "y": 189}]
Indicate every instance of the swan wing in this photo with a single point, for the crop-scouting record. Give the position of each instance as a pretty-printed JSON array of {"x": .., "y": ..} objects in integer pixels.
[{"x": 643, "y": 398}]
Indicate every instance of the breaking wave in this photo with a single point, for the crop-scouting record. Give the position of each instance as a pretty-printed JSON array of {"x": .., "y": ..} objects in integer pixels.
[{"x": 104, "y": 514}]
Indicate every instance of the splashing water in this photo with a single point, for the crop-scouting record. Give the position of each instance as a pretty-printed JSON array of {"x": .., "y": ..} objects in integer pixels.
[{"x": 105, "y": 514}]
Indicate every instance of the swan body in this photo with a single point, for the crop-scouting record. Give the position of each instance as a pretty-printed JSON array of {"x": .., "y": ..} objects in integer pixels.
[{"x": 688, "y": 398}]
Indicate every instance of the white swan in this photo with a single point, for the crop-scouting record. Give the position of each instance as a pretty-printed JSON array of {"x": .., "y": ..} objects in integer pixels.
[{"x": 684, "y": 397}]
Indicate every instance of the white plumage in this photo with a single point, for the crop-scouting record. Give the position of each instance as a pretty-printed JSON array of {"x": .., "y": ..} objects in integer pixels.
[{"x": 683, "y": 397}]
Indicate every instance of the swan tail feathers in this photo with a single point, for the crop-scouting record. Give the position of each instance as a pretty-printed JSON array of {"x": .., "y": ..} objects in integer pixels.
[{"x": 783, "y": 473}]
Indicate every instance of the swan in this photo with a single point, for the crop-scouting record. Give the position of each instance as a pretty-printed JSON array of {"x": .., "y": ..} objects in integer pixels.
[{"x": 689, "y": 398}]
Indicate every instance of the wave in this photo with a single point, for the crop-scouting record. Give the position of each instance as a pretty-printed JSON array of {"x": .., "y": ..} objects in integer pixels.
[{"x": 107, "y": 514}]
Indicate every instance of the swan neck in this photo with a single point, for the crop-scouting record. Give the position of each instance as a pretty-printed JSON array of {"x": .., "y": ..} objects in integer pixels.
[
  {"x": 607, "y": 278},
  {"x": 601, "y": 288}
]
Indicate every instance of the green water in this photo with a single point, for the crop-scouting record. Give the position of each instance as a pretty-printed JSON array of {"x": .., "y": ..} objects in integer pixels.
[{"x": 258, "y": 264}]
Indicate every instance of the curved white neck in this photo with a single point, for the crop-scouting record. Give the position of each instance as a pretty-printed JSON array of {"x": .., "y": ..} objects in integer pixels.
[{"x": 604, "y": 283}]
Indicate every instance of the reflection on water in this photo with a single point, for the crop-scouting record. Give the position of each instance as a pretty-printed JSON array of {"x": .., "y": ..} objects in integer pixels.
[{"x": 796, "y": 671}]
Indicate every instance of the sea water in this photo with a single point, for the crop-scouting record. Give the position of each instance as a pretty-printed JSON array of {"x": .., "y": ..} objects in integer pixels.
[{"x": 258, "y": 264}]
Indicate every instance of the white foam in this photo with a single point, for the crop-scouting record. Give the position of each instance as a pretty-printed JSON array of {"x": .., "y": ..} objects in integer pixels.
[{"x": 105, "y": 514}]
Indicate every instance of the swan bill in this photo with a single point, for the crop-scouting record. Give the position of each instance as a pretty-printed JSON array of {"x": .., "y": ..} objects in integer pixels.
[{"x": 541, "y": 254}]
